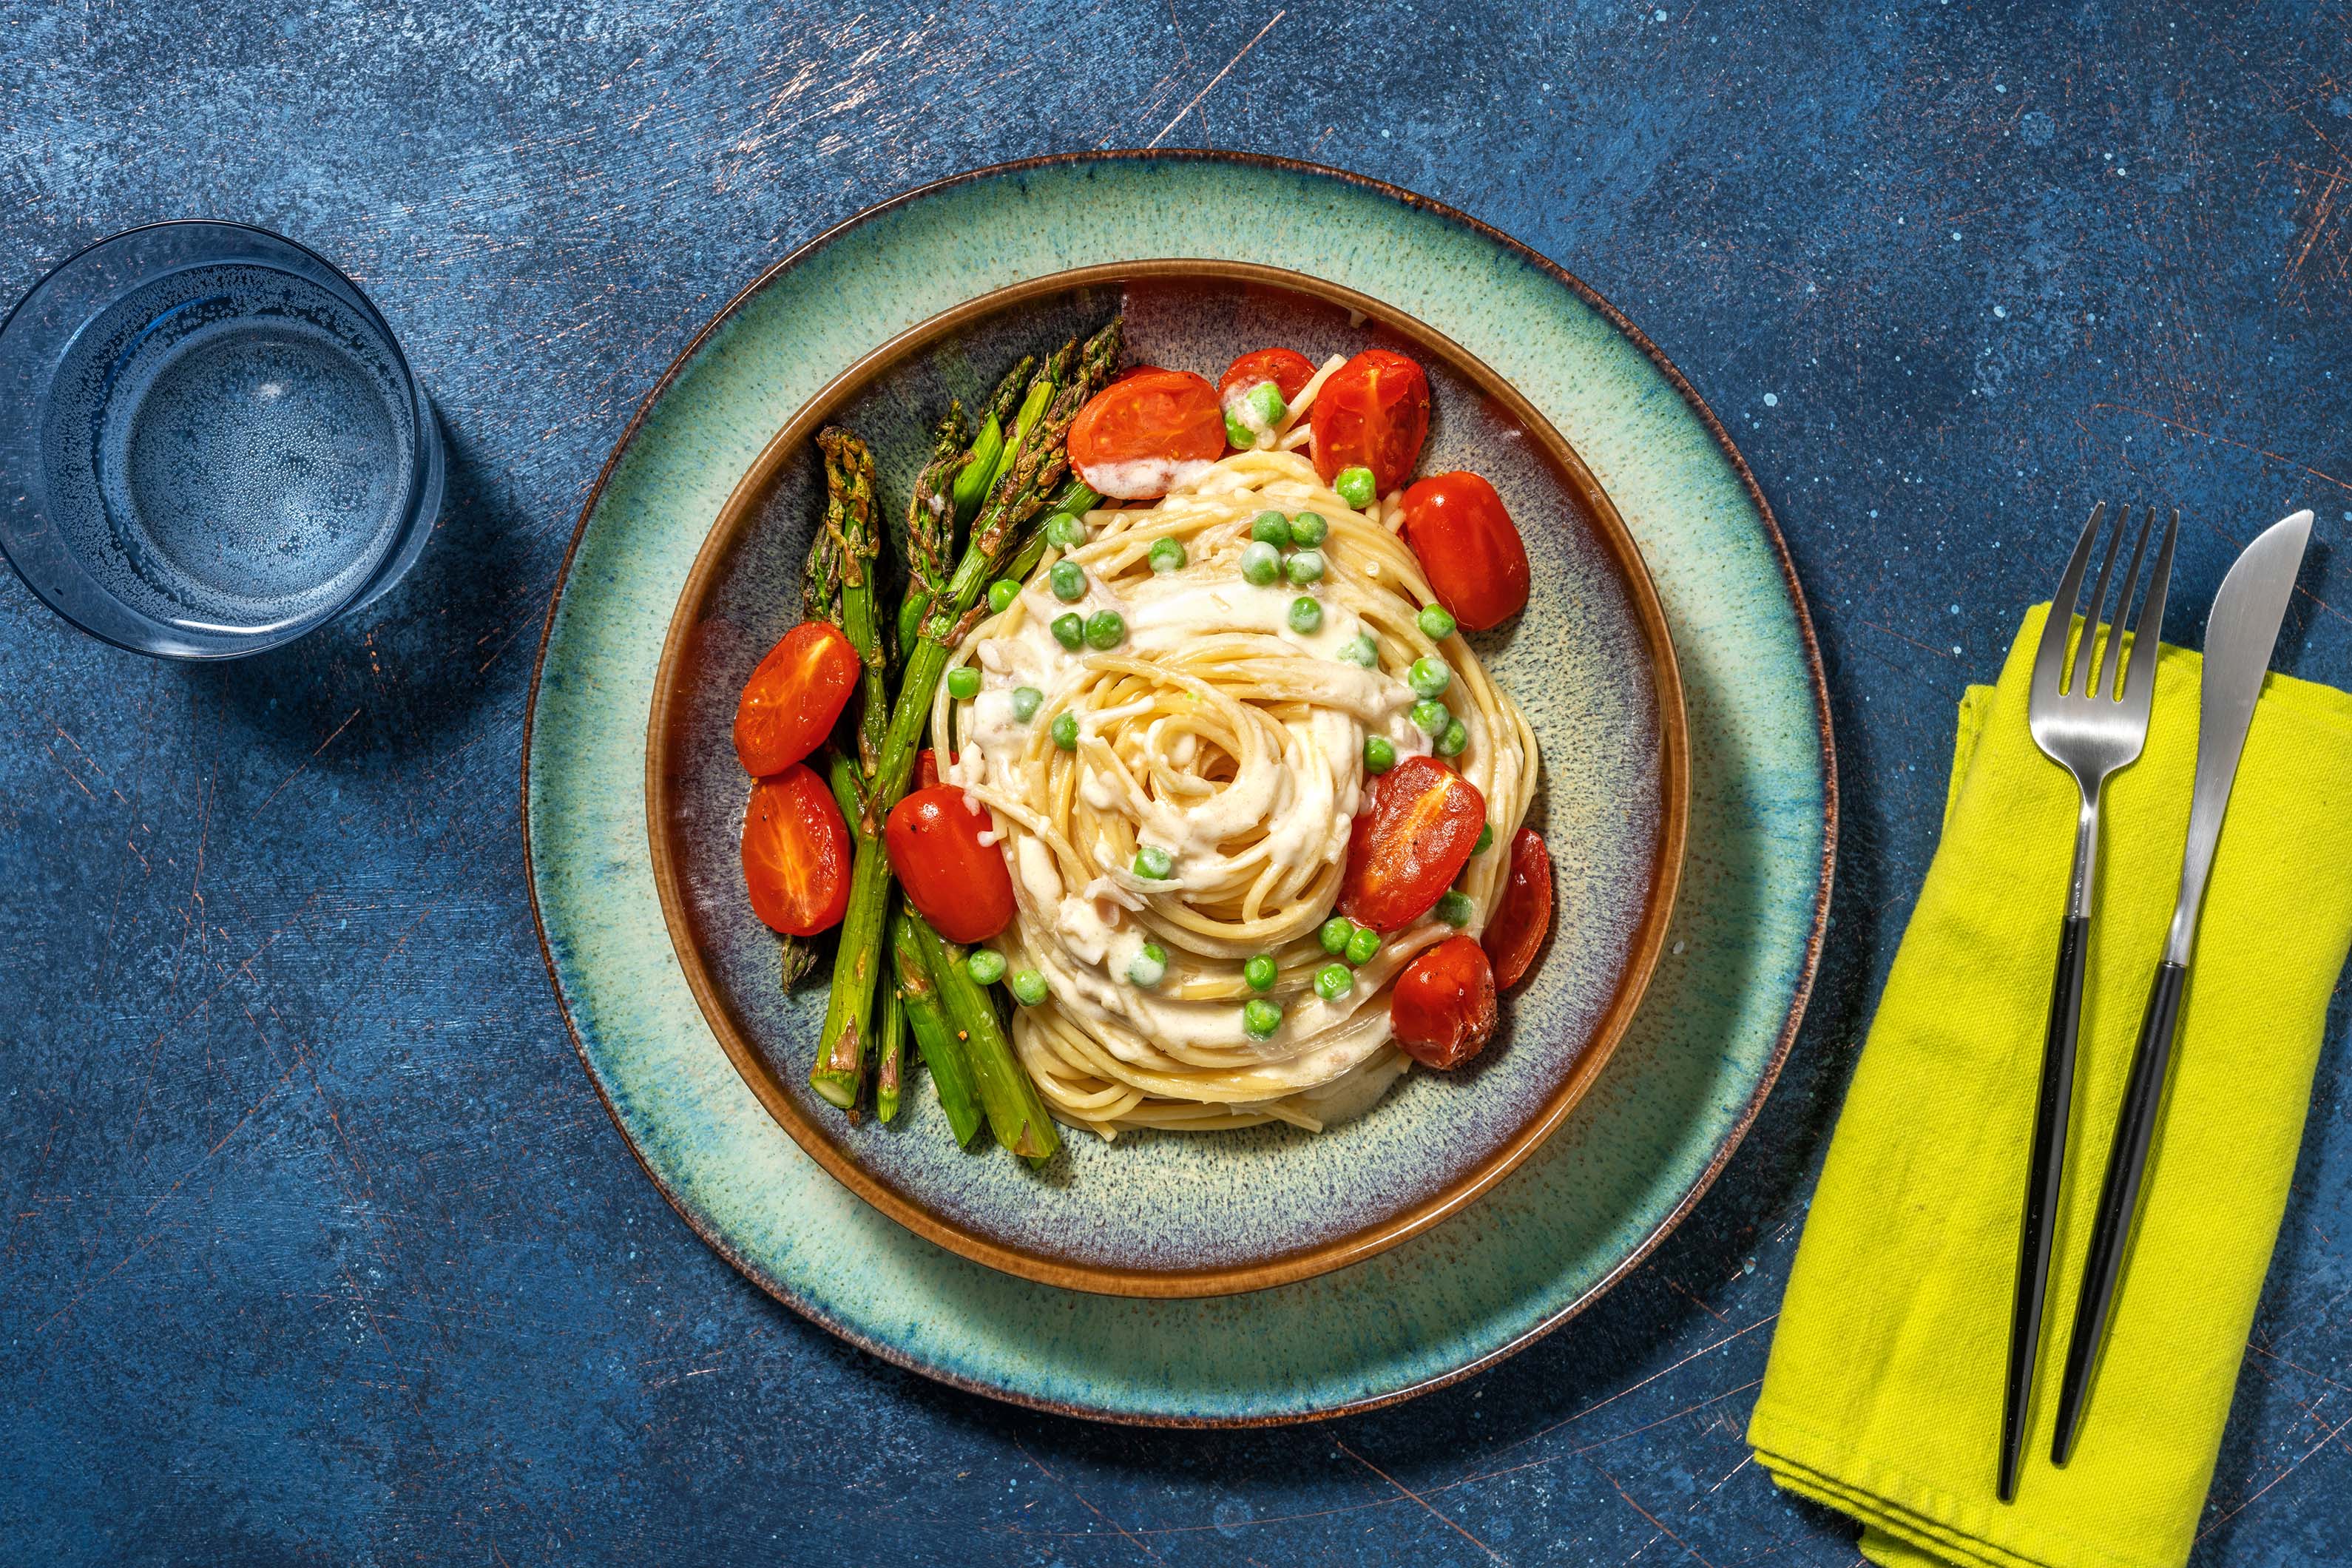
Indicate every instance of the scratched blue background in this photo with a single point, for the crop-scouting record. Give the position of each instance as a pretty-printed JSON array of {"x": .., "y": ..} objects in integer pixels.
[{"x": 318, "y": 1246}]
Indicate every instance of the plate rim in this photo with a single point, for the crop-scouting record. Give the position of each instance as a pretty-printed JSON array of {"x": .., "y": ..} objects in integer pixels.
[
  {"x": 1808, "y": 969},
  {"x": 738, "y": 514}
]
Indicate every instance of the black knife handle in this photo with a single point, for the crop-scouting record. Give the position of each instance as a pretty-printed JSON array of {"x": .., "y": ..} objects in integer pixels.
[
  {"x": 2118, "y": 1199},
  {"x": 2052, "y": 1104}
]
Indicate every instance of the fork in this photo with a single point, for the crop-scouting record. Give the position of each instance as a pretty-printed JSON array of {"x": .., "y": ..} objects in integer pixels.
[{"x": 2089, "y": 717}]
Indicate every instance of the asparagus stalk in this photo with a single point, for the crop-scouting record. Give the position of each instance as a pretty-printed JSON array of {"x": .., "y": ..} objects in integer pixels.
[
  {"x": 1016, "y": 1113},
  {"x": 893, "y": 1031},
  {"x": 942, "y": 1052},
  {"x": 1035, "y": 469},
  {"x": 981, "y": 465},
  {"x": 849, "y": 519},
  {"x": 930, "y": 527}
]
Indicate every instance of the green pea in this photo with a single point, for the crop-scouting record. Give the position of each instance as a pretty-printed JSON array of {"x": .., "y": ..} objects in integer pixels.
[
  {"x": 1363, "y": 946},
  {"x": 1025, "y": 699},
  {"x": 1485, "y": 839},
  {"x": 1238, "y": 435},
  {"x": 1429, "y": 677},
  {"x": 986, "y": 965},
  {"x": 1306, "y": 616},
  {"x": 1260, "y": 973},
  {"x": 1308, "y": 528},
  {"x": 1355, "y": 487},
  {"x": 1450, "y": 744},
  {"x": 1380, "y": 754},
  {"x": 1063, "y": 531},
  {"x": 1303, "y": 566},
  {"x": 963, "y": 684},
  {"x": 1261, "y": 1018},
  {"x": 1335, "y": 934},
  {"x": 1270, "y": 527},
  {"x": 1154, "y": 863},
  {"x": 1106, "y": 629},
  {"x": 1149, "y": 967},
  {"x": 1260, "y": 563},
  {"x": 1167, "y": 555},
  {"x": 1065, "y": 731},
  {"x": 1266, "y": 405},
  {"x": 1435, "y": 624},
  {"x": 1430, "y": 717},
  {"x": 1332, "y": 981},
  {"x": 1001, "y": 594},
  {"x": 1028, "y": 987},
  {"x": 1070, "y": 630},
  {"x": 1069, "y": 580},
  {"x": 1362, "y": 650},
  {"x": 1453, "y": 908}
]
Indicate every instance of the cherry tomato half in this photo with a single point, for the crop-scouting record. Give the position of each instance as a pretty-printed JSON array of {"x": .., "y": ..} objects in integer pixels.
[
  {"x": 1135, "y": 437},
  {"x": 790, "y": 703},
  {"x": 797, "y": 853},
  {"x": 959, "y": 883},
  {"x": 1523, "y": 913},
  {"x": 927, "y": 768},
  {"x": 1373, "y": 413},
  {"x": 1468, "y": 549},
  {"x": 1408, "y": 847},
  {"x": 1136, "y": 370},
  {"x": 1443, "y": 1009},
  {"x": 1289, "y": 369}
]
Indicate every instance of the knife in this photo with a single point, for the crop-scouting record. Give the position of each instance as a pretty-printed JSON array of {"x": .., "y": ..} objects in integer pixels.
[{"x": 2240, "y": 636}]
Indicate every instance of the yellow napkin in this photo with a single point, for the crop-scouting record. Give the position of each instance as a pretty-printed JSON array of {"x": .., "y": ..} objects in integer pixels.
[{"x": 1883, "y": 1397}]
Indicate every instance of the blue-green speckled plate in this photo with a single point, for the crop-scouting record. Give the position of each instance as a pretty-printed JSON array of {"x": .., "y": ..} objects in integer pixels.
[{"x": 1625, "y": 1165}]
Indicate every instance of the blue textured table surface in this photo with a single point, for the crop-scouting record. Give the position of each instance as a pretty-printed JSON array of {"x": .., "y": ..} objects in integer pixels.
[{"x": 318, "y": 1247}]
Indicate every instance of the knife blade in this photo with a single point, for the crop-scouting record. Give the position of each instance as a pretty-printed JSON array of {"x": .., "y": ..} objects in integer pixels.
[{"x": 2240, "y": 635}]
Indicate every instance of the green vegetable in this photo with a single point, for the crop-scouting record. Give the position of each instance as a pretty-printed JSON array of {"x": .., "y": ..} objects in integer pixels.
[
  {"x": 1001, "y": 594},
  {"x": 1355, "y": 487},
  {"x": 1450, "y": 744},
  {"x": 1429, "y": 677},
  {"x": 1363, "y": 946},
  {"x": 1025, "y": 700},
  {"x": 1303, "y": 566},
  {"x": 1362, "y": 650},
  {"x": 1306, "y": 616},
  {"x": 1167, "y": 555},
  {"x": 1063, "y": 531},
  {"x": 1106, "y": 629},
  {"x": 1380, "y": 754},
  {"x": 1238, "y": 435},
  {"x": 964, "y": 683},
  {"x": 1028, "y": 987},
  {"x": 1260, "y": 973},
  {"x": 1153, "y": 862},
  {"x": 926, "y": 538},
  {"x": 1453, "y": 906},
  {"x": 942, "y": 1052},
  {"x": 1308, "y": 528},
  {"x": 1270, "y": 527},
  {"x": 1485, "y": 839},
  {"x": 979, "y": 466},
  {"x": 1065, "y": 730},
  {"x": 891, "y": 1063},
  {"x": 985, "y": 966},
  {"x": 1335, "y": 934},
  {"x": 1149, "y": 967},
  {"x": 1430, "y": 717},
  {"x": 1265, "y": 406},
  {"x": 1332, "y": 981},
  {"x": 1261, "y": 1018},
  {"x": 1435, "y": 624},
  {"x": 1015, "y": 1114},
  {"x": 1070, "y": 630},
  {"x": 1069, "y": 580},
  {"x": 1261, "y": 563}
]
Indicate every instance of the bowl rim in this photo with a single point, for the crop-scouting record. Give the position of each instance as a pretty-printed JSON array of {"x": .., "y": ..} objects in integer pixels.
[{"x": 674, "y": 674}]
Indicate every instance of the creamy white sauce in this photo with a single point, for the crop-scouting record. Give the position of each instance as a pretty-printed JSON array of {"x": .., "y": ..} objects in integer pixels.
[{"x": 1142, "y": 478}]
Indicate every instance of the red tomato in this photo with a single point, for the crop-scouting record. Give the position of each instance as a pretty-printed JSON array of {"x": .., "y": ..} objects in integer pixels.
[
  {"x": 1287, "y": 368},
  {"x": 790, "y": 703},
  {"x": 1409, "y": 843},
  {"x": 1135, "y": 370},
  {"x": 927, "y": 768},
  {"x": 1443, "y": 1009},
  {"x": 1133, "y": 438},
  {"x": 959, "y": 883},
  {"x": 797, "y": 853},
  {"x": 1523, "y": 914},
  {"x": 1468, "y": 549},
  {"x": 1373, "y": 413}
]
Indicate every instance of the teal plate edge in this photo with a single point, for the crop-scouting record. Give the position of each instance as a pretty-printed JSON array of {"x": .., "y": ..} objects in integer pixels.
[{"x": 1659, "y": 1125}]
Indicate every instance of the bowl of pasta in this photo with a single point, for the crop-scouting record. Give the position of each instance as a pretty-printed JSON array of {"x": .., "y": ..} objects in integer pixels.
[{"x": 1168, "y": 779}]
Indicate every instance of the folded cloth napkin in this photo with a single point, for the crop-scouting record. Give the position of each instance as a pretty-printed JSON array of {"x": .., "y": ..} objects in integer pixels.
[{"x": 1883, "y": 1397}]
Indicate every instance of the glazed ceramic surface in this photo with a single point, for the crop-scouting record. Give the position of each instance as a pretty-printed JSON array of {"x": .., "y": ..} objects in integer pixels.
[
  {"x": 1624, "y": 1165},
  {"x": 1171, "y": 1214}
]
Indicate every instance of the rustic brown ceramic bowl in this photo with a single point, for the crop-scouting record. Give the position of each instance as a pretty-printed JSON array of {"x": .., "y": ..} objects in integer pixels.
[{"x": 1174, "y": 1215}]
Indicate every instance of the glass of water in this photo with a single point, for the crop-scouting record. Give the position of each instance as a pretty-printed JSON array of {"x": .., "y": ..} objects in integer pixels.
[{"x": 209, "y": 442}]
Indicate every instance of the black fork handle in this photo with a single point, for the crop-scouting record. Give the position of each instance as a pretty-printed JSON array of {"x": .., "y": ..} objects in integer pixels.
[
  {"x": 2052, "y": 1105},
  {"x": 2118, "y": 1199}
]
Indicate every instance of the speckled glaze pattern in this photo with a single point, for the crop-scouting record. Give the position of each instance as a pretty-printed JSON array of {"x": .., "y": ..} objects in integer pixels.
[
  {"x": 1639, "y": 1148},
  {"x": 1169, "y": 1214}
]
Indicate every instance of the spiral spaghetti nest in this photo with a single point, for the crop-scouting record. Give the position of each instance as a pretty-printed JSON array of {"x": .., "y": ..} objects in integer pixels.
[{"x": 1219, "y": 732}]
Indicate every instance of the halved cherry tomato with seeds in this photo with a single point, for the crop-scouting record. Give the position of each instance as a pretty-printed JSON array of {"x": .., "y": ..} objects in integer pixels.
[
  {"x": 1523, "y": 912},
  {"x": 790, "y": 703},
  {"x": 1373, "y": 413},
  {"x": 1472, "y": 554},
  {"x": 1136, "y": 370},
  {"x": 1141, "y": 436},
  {"x": 1443, "y": 1010},
  {"x": 1289, "y": 369},
  {"x": 960, "y": 883},
  {"x": 1409, "y": 843},
  {"x": 797, "y": 853}
]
